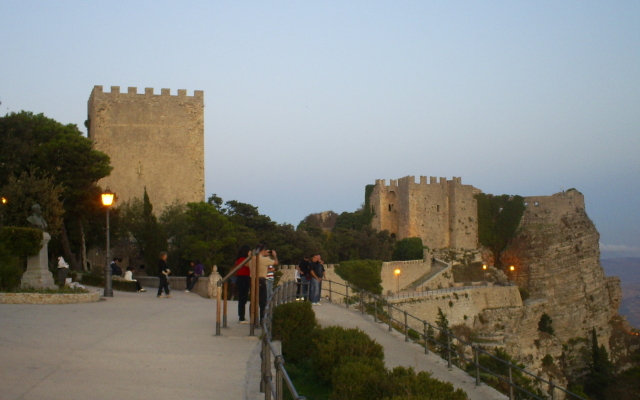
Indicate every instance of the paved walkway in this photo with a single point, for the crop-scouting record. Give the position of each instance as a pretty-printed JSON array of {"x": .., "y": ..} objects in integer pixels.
[
  {"x": 131, "y": 346},
  {"x": 136, "y": 346}
]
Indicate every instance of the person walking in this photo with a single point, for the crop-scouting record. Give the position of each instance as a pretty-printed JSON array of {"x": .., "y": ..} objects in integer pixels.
[
  {"x": 163, "y": 273},
  {"x": 305, "y": 278},
  {"x": 243, "y": 282}
]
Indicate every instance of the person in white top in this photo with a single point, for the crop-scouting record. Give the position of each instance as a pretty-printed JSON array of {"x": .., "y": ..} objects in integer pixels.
[{"x": 128, "y": 276}]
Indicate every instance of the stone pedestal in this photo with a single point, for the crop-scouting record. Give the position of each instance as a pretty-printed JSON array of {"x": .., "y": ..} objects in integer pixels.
[{"x": 38, "y": 274}]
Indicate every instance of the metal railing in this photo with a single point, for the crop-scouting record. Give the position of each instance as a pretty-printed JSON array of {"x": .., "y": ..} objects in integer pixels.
[
  {"x": 508, "y": 377},
  {"x": 273, "y": 388}
]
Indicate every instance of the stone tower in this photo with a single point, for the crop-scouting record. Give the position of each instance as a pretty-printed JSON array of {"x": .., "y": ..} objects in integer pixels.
[
  {"x": 444, "y": 214},
  {"x": 154, "y": 141}
]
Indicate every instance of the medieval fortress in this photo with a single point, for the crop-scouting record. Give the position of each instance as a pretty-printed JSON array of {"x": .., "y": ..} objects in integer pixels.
[
  {"x": 154, "y": 141},
  {"x": 443, "y": 214}
]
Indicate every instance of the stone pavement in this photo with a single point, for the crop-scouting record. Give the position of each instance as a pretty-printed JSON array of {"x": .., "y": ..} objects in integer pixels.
[
  {"x": 136, "y": 346},
  {"x": 131, "y": 346}
]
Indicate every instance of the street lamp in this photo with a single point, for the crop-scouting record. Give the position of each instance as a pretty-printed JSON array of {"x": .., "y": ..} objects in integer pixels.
[
  {"x": 107, "y": 201},
  {"x": 397, "y": 272}
]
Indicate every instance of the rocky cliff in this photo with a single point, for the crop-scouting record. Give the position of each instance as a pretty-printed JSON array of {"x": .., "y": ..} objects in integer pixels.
[{"x": 557, "y": 259}]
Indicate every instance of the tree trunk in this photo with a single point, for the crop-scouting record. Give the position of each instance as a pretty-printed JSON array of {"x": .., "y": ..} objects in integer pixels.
[
  {"x": 73, "y": 264},
  {"x": 83, "y": 251}
]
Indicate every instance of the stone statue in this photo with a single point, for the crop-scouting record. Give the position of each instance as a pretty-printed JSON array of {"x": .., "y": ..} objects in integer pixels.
[{"x": 35, "y": 219}]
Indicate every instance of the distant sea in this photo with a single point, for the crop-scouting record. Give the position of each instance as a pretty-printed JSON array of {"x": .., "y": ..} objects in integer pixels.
[{"x": 628, "y": 269}]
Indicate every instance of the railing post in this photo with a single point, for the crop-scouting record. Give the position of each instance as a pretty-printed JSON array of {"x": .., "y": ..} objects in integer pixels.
[
  {"x": 218, "y": 306},
  {"x": 510, "y": 383},
  {"x": 449, "y": 350},
  {"x": 390, "y": 318},
  {"x": 375, "y": 309},
  {"x": 477, "y": 362},
  {"x": 552, "y": 388},
  {"x": 347, "y": 298},
  {"x": 330, "y": 293},
  {"x": 406, "y": 328},
  {"x": 426, "y": 338},
  {"x": 279, "y": 363},
  {"x": 265, "y": 367},
  {"x": 224, "y": 304},
  {"x": 361, "y": 303}
]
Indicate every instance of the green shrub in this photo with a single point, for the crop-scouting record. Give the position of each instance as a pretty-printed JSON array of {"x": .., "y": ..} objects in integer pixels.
[
  {"x": 408, "y": 249},
  {"x": 335, "y": 346},
  {"x": 21, "y": 242},
  {"x": 364, "y": 274},
  {"x": 359, "y": 380},
  {"x": 545, "y": 324},
  {"x": 294, "y": 324},
  {"x": 10, "y": 270},
  {"x": 404, "y": 383},
  {"x": 547, "y": 360}
]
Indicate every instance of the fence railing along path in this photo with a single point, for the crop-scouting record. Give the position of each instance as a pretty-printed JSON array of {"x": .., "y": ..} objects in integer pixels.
[{"x": 516, "y": 382}]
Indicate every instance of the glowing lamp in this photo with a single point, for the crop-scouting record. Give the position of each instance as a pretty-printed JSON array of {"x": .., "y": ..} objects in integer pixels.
[
  {"x": 512, "y": 268},
  {"x": 107, "y": 198},
  {"x": 4, "y": 200},
  {"x": 397, "y": 272}
]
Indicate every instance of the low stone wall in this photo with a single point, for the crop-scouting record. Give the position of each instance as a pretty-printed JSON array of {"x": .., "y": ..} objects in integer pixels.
[
  {"x": 177, "y": 283},
  {"x": 457, "y": 305},
  {"x": 43, "y": 298},
  {"x": 410, "y": 271}
]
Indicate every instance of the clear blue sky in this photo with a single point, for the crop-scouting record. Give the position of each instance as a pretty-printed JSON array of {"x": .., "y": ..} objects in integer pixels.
[{"x": 307, "y": 102}]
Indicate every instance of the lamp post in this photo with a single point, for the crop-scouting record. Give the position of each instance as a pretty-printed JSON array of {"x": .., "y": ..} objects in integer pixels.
[
  {"x": 397, "y": 272},
  {"x": 107, "y": 201}
]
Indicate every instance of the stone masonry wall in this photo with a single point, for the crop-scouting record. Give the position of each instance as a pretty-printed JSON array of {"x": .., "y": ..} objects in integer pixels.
[
  {"x": 154, "y": 141},
  {"x": 443, "y": 214}
]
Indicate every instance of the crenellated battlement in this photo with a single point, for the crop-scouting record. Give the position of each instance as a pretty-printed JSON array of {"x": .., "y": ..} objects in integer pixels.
[
  {"x": 132, "y": 90},
  {"x": 411, "y": 180}
]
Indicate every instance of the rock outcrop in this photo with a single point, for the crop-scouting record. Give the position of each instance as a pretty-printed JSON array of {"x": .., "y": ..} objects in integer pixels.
[{"x": 557, "y": 259}]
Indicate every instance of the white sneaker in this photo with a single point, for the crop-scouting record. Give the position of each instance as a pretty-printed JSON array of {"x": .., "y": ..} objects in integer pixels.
[{"x": 186, "y": 291}]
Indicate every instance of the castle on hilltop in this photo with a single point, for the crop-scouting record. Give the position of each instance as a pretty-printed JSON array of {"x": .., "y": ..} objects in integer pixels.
[
  {"x": 443, "y": 214},
  {"x": 154, "y": 141}
]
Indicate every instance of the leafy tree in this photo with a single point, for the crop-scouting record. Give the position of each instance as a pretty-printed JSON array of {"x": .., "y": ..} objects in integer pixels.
[
  {"x": 498, "y": 220},
  {"x": 443, "y": 324},
  {"x": 601, "y": 375},
  {"x": 364, "y": 274},
  {"x": 37, "y": 144},
  {"x": 408, "y": 249},
  {"x": 23, "y": 191},
  {"x": 138, "y": 221}
]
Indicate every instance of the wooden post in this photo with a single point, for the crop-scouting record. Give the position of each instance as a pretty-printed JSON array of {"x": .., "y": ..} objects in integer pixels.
[
  {"x": 218, "y": 306},
  {"x": 253, "y": 291},
  {"x": 406, "y": 328},
  {"x": 224, "y": 303}
]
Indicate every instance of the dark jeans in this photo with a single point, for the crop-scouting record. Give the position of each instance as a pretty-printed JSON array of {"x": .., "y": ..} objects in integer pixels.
[
  {"x": 192, "y": 279},
  {"x": 262, "y": 296},
  {"x": 303, "y": 288},
  {"x": 244, "y": 284},
  {"x": 163, "y": 284}
]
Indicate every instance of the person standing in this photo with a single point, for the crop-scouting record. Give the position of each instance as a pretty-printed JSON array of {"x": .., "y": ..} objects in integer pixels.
[
  {"x": 265, "y": 259},
  {"x": 243, "y": 282},
  {"x": 192, "y": 276},
  {"x": 163, "y": 273},
  {"x": 317, "y": 275},
  {"x": 305, "y": 278}
]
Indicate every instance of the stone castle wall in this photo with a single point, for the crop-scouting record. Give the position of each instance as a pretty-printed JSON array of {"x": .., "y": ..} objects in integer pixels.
[
  {"x": 154, "y": 141},
  {"x": 443, "y": 214}
]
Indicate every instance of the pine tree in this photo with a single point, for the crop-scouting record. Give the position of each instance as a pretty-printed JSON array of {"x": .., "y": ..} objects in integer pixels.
[{"x": 600, "y": 375}]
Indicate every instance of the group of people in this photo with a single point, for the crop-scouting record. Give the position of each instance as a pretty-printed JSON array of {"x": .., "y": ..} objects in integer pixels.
[
  {"x": 267, "y": 260},
  {"x": 128, "y": 275},
  {"x": 309, "y": 275},
  {"x": 197, "y": 270}
]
